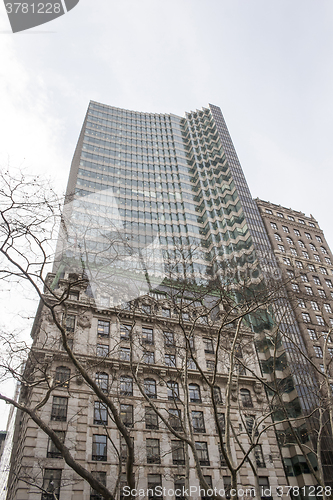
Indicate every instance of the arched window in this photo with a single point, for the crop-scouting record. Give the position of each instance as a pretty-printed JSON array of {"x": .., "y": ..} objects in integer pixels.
[
  {"x": 102, "y": 380},
  {"x": 62, "y": 376},
  {"x": 246, "y": 398},
  {"x": 194, "y": 391},
  {"x": 150, "y": 388},
  {"x": 173, "y": 390},
  {"x": 126, "y": 385}
]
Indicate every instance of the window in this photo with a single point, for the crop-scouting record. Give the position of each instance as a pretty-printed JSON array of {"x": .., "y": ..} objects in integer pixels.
[
  {"x": 328, "y": 308},
  {"x": 277, "y": 237},
  {"x": 330, "y": 351},
  {"x": 312, "y": 334},
  {"x": 59, "y": 409},
  {"x": 51, "y": 484},
  {"x": 175, "y": 419},
  {"x": 299, "y": 264},
  {"x": 125, "y": 354},
  {"x": 263, "y": 483},
  {"x": 125, "y": 331},
  {"x": 311, "y": 224},
  {"x": 227, "y": 486},
  {"x": 151, "y": 419},
  {"x": 173, "y": 390},
  {"x": 150, "y": 388},
  {"x": 149, "y": 357},
  {"x": 126, "y": 415},
  {"x": 103, "y": 328},
  {"x": 309, "y": 290},
  {"x": 102, "y": 350},
  {"x": 194, "y": 392},
  {"x": 295, "y": 287},
  {"x": 308, "y": 235},
  {"x": 328, "y": 261},
  {"x": 323, "y": 270},
  {"x": 101, "y": 477},
  {"x": 99, "y": 448},
  {"x": 289, "y": 241},
  {"x": 170, "y": 360},
  {"x": 209, "y": 346},
  {"x": 305, "y": 254},
  {"x": 70, "y": 323},
  {"x": 281, "y": 248},
  {"x": 316, "y": 257},
  {"x": 306, "y": 317},
  {"x": 52, "y": 450},
  {"x": 202, "y": 451},
  {"x": 198, "y": 421},
  {"x": 304, "y": 278},
  {"x": 154, "y": 481},
  {"x": 301, "y": 221},
  {"x": 313, "y": 248},
  {"x": 217, "y": 395},
  {"x": 246, "y": 398},
  {"x": 100, "y": 414},
  {"x": 293, "y": 251},
  {"x": 301, "y": 303},
  {"x": 323, "y": 249},
  {"x": 169, "y": 339},
  {"x": 147, "y": 335},
  {"x": 179, "y": 485},
  {"x": 320, "y": 321},
  {"x": 153, "y": 451},
  {"x": 166, "y": 312},
  {"x": 286, "y": 261},
  {"x": 318, "y": 238},
  {"x": 279, "y": 214},
  {"x": 273, "y": 225},
  {"x": 268, "y": 211},
  {"x": 251, "y": 427},
  {"x": 102, "y": 380},
  {"x": 209, "y": 482},
  {"x": 126, "y": 385},
  {"x": 322, "y": 368},
  {"x": 311, "y": 267},
  {"x": 210, "y": 365},
  {"x": 318, "y": 351},
  {"x": 316, "y": 280},
  {"x": 258, "y": 456},
  {"x": 296, "y": 231},
  {"x": 290, "y": 274},
  {"x": 62, "y": 376},
  {"x": 191, "y": 364},
  {"x": 178, "y": 453},
  {"x": 221, "y": 422},
  {"x": 285, "y": 229},
  {"x": 290, "y": 217},
  {"x": 325, "y": 335},
  {"x": 328, "y": 283},
  {"x": 314, "y": 305}
]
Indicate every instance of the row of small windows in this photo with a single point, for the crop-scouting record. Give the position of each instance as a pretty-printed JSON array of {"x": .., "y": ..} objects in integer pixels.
[
  {"x": 60, "y": 403},
  {"x": 314, "y": 304},
  {"x": 289, "y": 217},
  {"x": 319, "y": 319},
  {"x": 316, "y": 280},
  {"x": 52, "y": 483},
  {"x": 300, "y": 265},
  {"x": 296, "y": 231}
]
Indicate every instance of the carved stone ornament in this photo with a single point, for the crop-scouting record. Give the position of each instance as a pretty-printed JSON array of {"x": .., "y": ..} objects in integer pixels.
[{"x": 84, "y": 321}]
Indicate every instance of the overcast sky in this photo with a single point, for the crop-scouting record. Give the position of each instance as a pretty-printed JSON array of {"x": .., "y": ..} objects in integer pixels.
[{"x": 266, "y": 63}]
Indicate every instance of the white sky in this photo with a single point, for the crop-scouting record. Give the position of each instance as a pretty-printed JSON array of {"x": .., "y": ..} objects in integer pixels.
[{"x": 267, "y": 64}]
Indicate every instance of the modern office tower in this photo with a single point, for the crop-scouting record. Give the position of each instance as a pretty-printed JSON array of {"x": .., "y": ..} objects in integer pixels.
[{"x": 153, "y": 202}]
